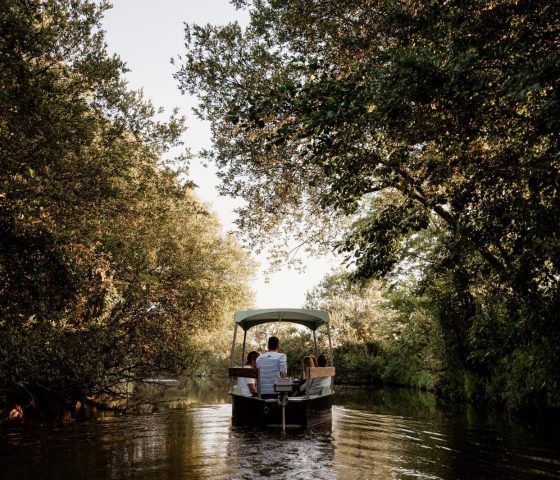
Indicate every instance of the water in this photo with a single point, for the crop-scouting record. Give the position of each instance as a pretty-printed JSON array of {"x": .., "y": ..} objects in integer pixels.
[{"x": 375, "y": 433}]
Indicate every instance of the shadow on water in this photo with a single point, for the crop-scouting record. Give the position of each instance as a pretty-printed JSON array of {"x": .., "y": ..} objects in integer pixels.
[{"x": 375, "y": 433}]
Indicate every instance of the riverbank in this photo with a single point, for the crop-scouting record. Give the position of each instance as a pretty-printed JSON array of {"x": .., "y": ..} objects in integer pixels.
[{"x": 185, "y": 391}]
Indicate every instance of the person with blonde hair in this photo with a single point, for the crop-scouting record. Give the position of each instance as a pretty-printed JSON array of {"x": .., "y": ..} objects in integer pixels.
[
  {"x": 309, "y": 361},
  {"x": 316, "y": 384}
]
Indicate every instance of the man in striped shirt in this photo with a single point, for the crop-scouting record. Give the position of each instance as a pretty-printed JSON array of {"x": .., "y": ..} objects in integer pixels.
[{"x": 271, "y": 365}]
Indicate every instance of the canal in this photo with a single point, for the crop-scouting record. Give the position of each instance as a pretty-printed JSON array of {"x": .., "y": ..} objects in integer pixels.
[{"x": 375, "y": 433}]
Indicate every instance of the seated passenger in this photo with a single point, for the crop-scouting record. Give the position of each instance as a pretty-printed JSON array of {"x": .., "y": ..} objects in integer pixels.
[
  {"x": 317, "y": 384},
  {"x": 248, "y": 385},
  {"x": 322, "y": 361},
  {"x": 308, "y": 362},
  {"x": 271, "y": 365}
]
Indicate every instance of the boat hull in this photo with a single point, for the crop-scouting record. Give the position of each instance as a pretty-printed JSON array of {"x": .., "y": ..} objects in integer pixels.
[{"x": 300, "y": 412}]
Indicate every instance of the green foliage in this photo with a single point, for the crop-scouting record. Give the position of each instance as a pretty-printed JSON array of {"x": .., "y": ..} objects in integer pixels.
[
  {"x": 354, "y": 365},
  {"x": 435, "y": 121},
  {"x": 434, "y": 101},
  {"x": 110, "y": 268},
  {"x": 296, "y": 343},
  {"x": 380, "y": 335}
]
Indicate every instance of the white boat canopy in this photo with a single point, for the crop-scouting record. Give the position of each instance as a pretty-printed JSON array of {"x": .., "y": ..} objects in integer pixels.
[{"x": 311, "y": 319}]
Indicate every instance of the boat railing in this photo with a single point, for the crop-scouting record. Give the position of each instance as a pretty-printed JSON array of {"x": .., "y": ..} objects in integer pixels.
[
  {"x": 311, "y": 373},
  {"x": 244, "y": 372}
]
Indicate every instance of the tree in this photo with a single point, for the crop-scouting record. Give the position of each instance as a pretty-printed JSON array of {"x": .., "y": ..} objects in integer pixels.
[
  {"x": 357, "y": 310},
  {"x": 431, "y": 100},
  {"x": 399, "y": 115},
  {"x": 110, "y": 267},
  {"x": 381, "y": 333}
]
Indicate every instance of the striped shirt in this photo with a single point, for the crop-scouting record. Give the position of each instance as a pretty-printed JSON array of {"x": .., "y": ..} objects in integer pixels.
[{"x": 270, "y": 365}]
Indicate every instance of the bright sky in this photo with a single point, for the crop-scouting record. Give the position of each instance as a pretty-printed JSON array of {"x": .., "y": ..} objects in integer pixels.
[{"x": 146, "y": 34}]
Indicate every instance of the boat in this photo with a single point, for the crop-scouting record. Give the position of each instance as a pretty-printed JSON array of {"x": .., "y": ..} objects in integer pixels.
[{"x": 285, "y": 411}]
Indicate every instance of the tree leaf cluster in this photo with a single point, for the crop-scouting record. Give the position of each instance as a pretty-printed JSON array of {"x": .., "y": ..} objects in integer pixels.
[
  {"x": 404, "y": 119},
  {"x": 111, "y": 269}
]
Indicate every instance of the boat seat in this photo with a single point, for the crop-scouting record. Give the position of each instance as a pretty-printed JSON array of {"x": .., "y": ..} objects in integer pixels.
[
  {"x": 244, "y": 372},
  {"x": 317, "y": 372},
  {"x": 312, "y": 390}
]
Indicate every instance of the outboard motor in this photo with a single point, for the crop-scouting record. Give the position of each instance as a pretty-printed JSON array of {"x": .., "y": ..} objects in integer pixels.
[{"x": 284, "y": 387}]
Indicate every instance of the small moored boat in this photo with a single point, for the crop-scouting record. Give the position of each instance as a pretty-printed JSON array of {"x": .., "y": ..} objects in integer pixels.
[{"x": 285, "y": 411}]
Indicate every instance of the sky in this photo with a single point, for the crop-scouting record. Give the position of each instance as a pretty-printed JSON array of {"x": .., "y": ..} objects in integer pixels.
[{"x": 146, "y": 34}]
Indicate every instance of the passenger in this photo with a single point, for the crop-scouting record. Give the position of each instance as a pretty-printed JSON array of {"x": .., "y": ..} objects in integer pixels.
[
  {"x": 308, "y": 361},
  {"x": 248, "y": 385},
  {"x": 317, "y": 384},
  {"x": 271, "y": 365},
  {"x": 322, "y": 361}
]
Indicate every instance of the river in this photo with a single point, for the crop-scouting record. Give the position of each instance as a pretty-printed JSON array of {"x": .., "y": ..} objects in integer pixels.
[{"x": 375, "y": 433}]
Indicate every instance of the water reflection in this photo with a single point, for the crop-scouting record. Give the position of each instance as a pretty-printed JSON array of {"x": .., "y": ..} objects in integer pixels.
[{"x": 374, "y": 434}]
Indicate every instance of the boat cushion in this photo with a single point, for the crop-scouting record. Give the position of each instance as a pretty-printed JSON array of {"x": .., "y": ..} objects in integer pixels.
[{"x": 318, "y": 372}]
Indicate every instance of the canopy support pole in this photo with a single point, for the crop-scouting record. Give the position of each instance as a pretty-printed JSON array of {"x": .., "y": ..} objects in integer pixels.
[
  {"x": 233, "y": 346},
  {"x": 315, "y": 343},
  {"x": 307, "y": 381},
  {"x": 243, "y": 351},
  {"x": 330, "y": 345}
]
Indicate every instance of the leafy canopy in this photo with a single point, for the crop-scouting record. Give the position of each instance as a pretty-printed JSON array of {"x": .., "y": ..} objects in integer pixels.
[
  {"x": 110, "y": 267},
  {"x": 318, "y": 105},
  {"x": 427, "y": 133}
]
